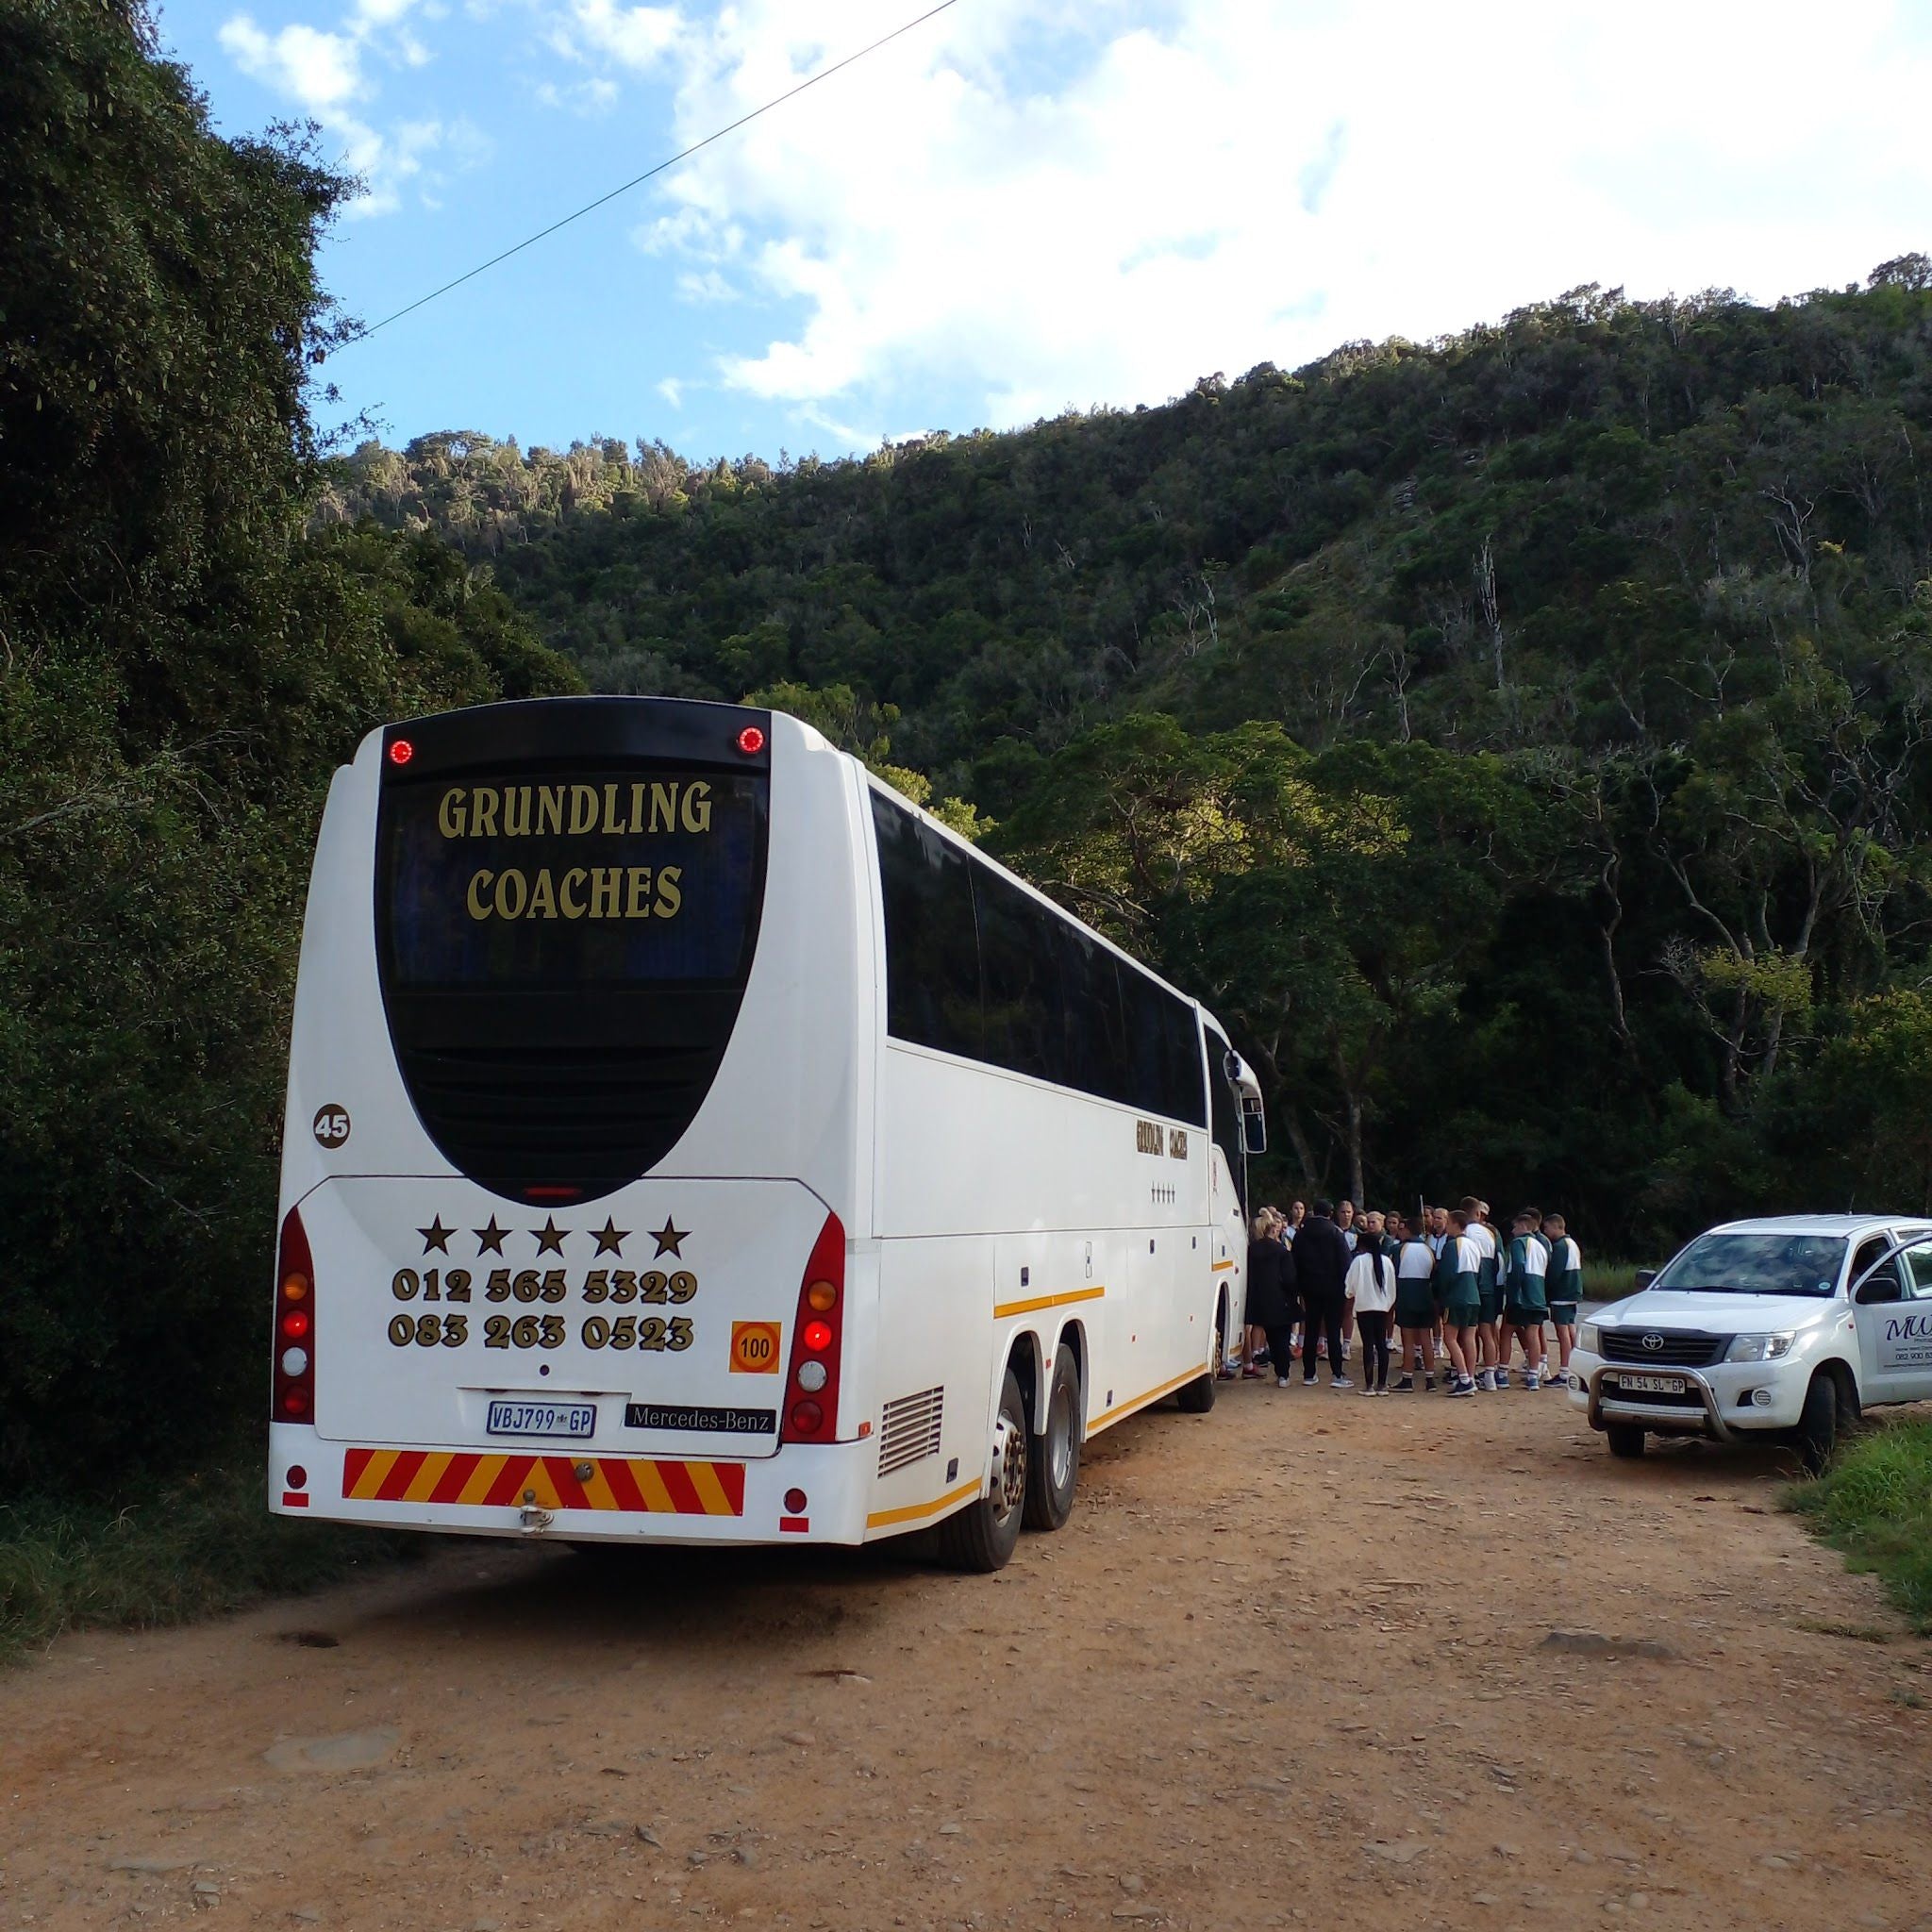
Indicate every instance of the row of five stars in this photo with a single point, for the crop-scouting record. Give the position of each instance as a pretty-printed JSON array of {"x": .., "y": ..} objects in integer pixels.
[{"x": 550, "y": 1237}]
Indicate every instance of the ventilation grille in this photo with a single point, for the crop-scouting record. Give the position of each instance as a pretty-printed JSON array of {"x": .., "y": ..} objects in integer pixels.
[{"x": 910, "y": 1430}]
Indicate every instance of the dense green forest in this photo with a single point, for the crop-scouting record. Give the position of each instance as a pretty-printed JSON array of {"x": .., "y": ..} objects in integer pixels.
[
  {"x": 1519, "y": 739},
  {"x": 181, "y": 668}
]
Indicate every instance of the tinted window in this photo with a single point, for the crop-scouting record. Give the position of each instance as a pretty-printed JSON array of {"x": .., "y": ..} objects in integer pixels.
[
  {"x": 606, "y": 878},
  {"x": 976, "y": 966},
  {"x": 1224, "y": 1113},
  {"x": 932, "y": 949},
  {"x": 1096, "y": 1033},
  {"x": 1020, "y": 988}
]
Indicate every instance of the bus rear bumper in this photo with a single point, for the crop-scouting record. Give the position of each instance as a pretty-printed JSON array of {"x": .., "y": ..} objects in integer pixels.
[{"x": 574, "y": 1494}]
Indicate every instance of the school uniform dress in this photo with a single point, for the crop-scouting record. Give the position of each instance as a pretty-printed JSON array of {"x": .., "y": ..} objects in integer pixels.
[
  {"x": 1415, "y": 1301},
  {"x": 1525, "y": 1304},
  {"x": 1487, "y": 1273},
  {"x": 1564, "y": 1286},
  {"x": 1463, "y": 1308}
]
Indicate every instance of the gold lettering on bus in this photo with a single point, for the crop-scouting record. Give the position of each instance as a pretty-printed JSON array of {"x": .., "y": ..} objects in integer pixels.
[
  {"x": 518, "y": 812},
  {"x": 636, "y": 892},
  {"x": 1149, "y": 1138}
]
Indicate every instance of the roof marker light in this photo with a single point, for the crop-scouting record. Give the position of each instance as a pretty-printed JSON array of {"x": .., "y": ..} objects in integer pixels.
[
  {"x": 401, "y": 751},
  {"x": 751, "y": 741}
]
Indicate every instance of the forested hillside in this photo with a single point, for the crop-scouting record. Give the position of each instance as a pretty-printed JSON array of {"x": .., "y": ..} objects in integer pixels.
[{"x": 1520, "y": 738}]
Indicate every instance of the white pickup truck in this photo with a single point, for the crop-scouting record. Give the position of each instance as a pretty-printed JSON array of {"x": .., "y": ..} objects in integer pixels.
[{"x": 1784, "y": 1327}]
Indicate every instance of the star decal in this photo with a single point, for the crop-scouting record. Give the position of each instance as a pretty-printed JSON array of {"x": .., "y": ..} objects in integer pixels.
[
  {"x": 668, "y": 1237},
  {"x": 611, "y": 1237},
  {"x": 436, "y": 1236},
  {"x": 489, "y": 1240},
  {"x": 550, "y": 1236}
]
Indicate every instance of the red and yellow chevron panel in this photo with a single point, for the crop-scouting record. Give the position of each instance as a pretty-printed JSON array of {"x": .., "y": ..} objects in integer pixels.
[{"x": 552, "y": 1482}]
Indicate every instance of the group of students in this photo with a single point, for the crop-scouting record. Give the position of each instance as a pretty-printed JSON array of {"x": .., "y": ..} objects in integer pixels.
[{"x": 1455, "y": 1289}]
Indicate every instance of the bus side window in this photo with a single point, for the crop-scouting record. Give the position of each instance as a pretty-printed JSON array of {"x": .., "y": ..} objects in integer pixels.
[
  {"x": 932, "y": 948},
  {"x": 1021, "y": 977}
]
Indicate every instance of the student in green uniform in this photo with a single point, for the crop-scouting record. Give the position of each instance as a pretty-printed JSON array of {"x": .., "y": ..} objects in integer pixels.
[
  {"x": 1564, "y": 1289},
  {"x": 1415, "y": 1305},
  {"x": 1524, "y": 1304},
  {"x": 1489, "y": 1372},
  {"x": 1462, "y": 1308}
]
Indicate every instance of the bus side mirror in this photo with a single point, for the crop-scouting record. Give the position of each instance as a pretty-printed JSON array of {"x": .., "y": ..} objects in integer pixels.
[{"x": 1254, "y": 1126}]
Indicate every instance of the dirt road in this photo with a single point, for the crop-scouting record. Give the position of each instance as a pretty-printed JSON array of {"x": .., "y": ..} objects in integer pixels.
[{"x": 1288, "y": 1664}]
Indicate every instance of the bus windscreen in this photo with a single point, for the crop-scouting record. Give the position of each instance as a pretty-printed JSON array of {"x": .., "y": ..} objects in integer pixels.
[{"x": 603, "y": 878}]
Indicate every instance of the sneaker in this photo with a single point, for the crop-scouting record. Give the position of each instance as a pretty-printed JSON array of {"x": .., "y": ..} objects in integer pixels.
[
  {"x": 1407, "y": 1385},
  {"x": 1294, "y": 1351},
  {"x": 1322, "y": 1349},
  {"x": 1251, "y": 1370},
  {"x": 1532, "y": 1380},
  {"x": 1430, "y": 1384},
  {"x": 1341, "y": 1382},
  {"x": 1484, "y": 1380},
  {"x": 1284, "y": 1381},
  {"x": 1501, "y": 1378},
  {"x": 1262, "y": 1357},
  {"x": 1464, "y": 1388}
]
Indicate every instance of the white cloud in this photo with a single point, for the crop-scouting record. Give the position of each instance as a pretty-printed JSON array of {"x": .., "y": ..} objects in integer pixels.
[
  {"x": 1054, "y": 203},
  {"x": 638, "y": 37},
  {"x": 326, "y": 73},
  {"x": 672, "y": 391}
]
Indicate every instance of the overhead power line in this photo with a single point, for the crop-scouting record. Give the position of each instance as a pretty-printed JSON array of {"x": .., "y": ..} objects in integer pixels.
[{"x": 638, "y": 180}]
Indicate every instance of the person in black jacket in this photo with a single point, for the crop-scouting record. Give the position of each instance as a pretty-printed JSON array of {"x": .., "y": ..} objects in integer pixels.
[
  {"x": 1320, "y": 1266},
  {"x": 1272, "y": 1290}
]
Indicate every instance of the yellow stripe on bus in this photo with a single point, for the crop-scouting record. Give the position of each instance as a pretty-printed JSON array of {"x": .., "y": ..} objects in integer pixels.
[
  {"x": 1121, "y": 1408},
  {"x": 703, "y": 1479},
  {"x": 1046, "y": 1301},
  {"x": 598, "y": 1493},
  {"x": 428, "y": 1474},
  {"x": 368, "y": 1484},
  {"x": 1220, "y": 1265},
  {"x": 913, "y": 1511},
  {"x": 651, "y": 1486},
  {"x": 481, "y": 1480}
]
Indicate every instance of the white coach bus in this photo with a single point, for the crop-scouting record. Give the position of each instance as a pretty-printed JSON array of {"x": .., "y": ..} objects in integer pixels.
[{"x": 690, "y": 1141}]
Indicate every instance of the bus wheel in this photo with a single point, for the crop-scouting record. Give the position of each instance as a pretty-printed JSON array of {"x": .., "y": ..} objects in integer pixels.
[
  {"x": 982, "y": 1535},
  {"x": 1054, "y": 1467},
  {"x": 1197, "y": 1397}
]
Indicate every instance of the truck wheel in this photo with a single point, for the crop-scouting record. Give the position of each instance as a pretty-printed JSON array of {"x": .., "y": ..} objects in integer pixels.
[
  {"x": 1816, "y": 1434},
  {"x": 982, "y": 1536},
  {"x": 1054, "y": 1467},
  {"x": 1626, "y": 1440},
  {"x": 1197, "y": 1397}
]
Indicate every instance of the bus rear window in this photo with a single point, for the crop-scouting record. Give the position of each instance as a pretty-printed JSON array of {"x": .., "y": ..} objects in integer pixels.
[{"x": 606, "y": 878}]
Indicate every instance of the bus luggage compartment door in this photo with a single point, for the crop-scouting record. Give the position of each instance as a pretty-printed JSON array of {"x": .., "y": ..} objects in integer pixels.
[{"x": 656, "y": 1320}]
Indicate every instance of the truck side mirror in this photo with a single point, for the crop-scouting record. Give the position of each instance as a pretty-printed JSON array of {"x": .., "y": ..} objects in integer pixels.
[{"x": 1644, "y": 1278}]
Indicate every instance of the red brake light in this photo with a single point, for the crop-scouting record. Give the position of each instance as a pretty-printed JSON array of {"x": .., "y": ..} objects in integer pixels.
[
  {"x": 751, "y": 741},
  {"x": 400, "y": 751},
  {"x": 811, "y": 1383},
  {"x": 294, "y": 1398}
]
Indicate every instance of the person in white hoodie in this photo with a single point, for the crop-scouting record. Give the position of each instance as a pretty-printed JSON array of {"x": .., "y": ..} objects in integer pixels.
[{"x": 1371, "y": 1291}]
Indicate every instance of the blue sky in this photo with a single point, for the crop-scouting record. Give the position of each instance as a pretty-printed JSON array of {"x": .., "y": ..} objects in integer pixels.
[{"x": 1031, "y": 205}]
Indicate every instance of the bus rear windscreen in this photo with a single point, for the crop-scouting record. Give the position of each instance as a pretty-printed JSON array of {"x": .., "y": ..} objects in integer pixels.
[{"x": 605, "y": 877}]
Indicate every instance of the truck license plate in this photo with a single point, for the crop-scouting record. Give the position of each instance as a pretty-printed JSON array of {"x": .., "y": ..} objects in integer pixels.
[
  {"x": 568, "y": 1419},
  {"x": 1652, "y": 1385}
]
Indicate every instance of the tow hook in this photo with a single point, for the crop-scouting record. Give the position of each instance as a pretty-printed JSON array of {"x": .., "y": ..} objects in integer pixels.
[{"x": 533, "y": 1516}]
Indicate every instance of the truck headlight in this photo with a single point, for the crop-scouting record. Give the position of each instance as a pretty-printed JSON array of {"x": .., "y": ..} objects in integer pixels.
[
  {"x": 1759, "y": 1348},
  {"x": 1591, "y": 1338}
]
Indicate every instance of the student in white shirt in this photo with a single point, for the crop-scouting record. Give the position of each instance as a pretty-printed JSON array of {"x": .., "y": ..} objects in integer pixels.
[{"x": 1370, "y": 1290}]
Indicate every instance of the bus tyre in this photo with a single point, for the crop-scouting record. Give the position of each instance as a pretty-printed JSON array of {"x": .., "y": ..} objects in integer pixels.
[
  {"x": 1054, "y": 1467},
  {"x": 982, "y": 1536},
  {"x": 1816, "y": 1434},
  {"x": 1626, "y": 1440}
]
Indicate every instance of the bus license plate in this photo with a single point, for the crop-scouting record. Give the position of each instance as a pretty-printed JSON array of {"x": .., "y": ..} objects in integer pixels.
[
  {"x": 1652, "y": 1385},
  {"x": 570, "y": 1419}
]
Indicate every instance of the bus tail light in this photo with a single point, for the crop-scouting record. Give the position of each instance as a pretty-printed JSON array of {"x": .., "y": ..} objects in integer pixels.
[
  {"x": 811, "y": 1385},
  {"x": 294, "y": 1399}
]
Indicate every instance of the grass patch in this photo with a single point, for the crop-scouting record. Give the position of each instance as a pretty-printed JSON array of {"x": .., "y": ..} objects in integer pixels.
[
  {"x": 1874, "y": 1503},
  {"x": 1610, "y": 1281},
  {"x": 194, "y": 1549}
]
